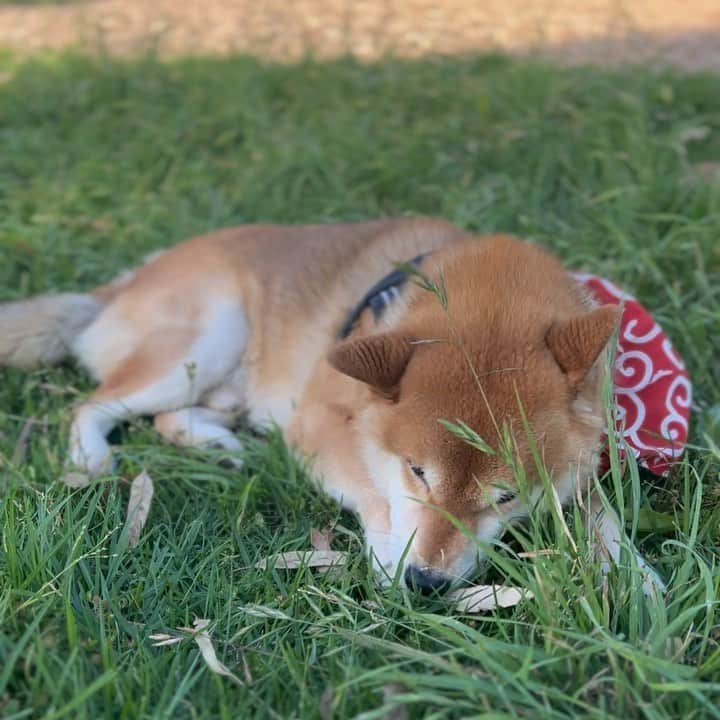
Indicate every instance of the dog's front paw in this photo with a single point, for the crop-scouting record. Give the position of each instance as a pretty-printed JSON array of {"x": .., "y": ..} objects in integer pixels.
[
  {"x": 378, "y": 550},
  {"x": 81, "y": 469},
  {"x": 608, "y": 543},
  {"x": 652, "y": 584},
  {"x": 90, "y": 456},
  {"x": 228, "y": 455}
]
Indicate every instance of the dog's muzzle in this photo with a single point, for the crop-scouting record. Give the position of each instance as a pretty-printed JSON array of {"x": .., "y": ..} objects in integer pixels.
[{"x": 426, "y": 580}]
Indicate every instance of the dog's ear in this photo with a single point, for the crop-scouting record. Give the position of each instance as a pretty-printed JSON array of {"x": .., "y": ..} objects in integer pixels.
[
  {"x": 377, "y": 360},
  {"x": 577, "y": 343}
]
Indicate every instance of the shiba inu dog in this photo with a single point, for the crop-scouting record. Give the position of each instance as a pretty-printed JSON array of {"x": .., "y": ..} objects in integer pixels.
[{"x": 493, "y": 334}]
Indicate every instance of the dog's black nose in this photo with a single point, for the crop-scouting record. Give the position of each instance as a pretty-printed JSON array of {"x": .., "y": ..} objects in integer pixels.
[{"x": 426, "y": 580}]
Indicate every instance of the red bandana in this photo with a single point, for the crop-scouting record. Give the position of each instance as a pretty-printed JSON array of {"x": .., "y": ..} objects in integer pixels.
[{"x": 651, "y": 386}]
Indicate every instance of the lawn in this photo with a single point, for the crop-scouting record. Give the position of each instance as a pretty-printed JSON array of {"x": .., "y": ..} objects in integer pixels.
[{"x": 102, "y": 161}]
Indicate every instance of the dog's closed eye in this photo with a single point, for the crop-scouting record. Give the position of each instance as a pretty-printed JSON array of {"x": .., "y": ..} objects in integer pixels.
[
  {"x": 506, "y": 498},
  {"x": 419, "y": 473}
]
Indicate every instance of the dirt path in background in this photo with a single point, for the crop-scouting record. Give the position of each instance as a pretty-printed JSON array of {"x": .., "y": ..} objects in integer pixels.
[{"x": 683, "y": 33}]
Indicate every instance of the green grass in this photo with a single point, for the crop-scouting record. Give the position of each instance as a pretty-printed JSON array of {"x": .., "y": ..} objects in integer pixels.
[{"x": 101, "y": 161}]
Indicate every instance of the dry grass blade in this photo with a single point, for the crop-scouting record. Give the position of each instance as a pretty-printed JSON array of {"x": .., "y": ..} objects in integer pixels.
[
  {"x": 694, "y": 134},
  {"x": 704, "y": 171},
  {"x": 561, "y": 518},
  {"x": 303, "y": 558},
  {"x": 163, "y": 639},
  {"x": 53, "y": 389},
  {"x": 394, "y": 712},
  {"x": 325, "y": 709},
  {"x": 141, "y": 494},
  {"x": 21, "y": 446},
  {"x": 199, "y": 633},
  {"x": 547, "y": 552},
  {"x": 246, "y": 670},
  {"x": 202, "y": 638},
  {"x": 480, "y": 598}
]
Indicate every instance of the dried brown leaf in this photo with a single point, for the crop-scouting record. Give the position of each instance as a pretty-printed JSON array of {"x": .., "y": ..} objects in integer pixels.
[
  {"x": 707, "y": 171},
  {"x": 694, "y": 134},
  {"x": 202, "y": 638},
  {"x": 20, "y": 451},
  {"x": 480, "y": 598},
  {"x": 321, "y": 539},
  {"x": 246, "y": 670},
  {"x": 303, "y": 558},
  {"x": 674, "y": 647},
  {"x": 325, "y": 710},
  {"x": 141, "y": 494},
  {"x": 393, "y": 711}
]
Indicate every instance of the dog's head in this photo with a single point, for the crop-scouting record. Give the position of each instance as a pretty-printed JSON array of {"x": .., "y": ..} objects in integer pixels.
[{"x": 498, "y": 370}]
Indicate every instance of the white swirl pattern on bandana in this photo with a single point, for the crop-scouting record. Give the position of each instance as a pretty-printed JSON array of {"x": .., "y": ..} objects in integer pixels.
[{"x": 652, "y": 390}]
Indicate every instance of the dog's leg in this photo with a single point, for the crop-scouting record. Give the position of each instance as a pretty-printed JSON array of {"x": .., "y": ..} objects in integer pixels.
[
  {"x": 200, "y": 427},
  {"x": 609, "y": 539},
  {"x": 375, "y": 515},
  {"x": 324, "y": 433},
  {"x": 344, "y": 478},
  {"x": 148, "y": 382}
]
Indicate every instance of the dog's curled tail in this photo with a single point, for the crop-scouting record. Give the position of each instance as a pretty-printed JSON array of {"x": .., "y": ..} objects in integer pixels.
[{"x": 41, "y": 330}]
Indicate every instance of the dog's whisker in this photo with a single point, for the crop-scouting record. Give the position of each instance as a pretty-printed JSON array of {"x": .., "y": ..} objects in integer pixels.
[
  {"x": 501, "y": 370},
  {"x": 428, "y": 341}
]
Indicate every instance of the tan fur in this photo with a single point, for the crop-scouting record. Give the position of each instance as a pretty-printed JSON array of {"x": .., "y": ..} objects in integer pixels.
[
  {"x": 488, "y": 356},
  {"x": 245, "y": 320}
]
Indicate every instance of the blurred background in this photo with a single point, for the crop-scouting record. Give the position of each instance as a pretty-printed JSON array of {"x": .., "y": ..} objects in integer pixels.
[{"x": 684, "y": 33}]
